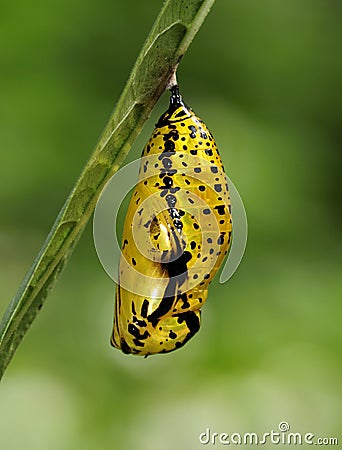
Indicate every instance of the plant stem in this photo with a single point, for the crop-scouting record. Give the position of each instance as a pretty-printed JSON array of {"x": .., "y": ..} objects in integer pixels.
[{"x": 169, "y": 39}]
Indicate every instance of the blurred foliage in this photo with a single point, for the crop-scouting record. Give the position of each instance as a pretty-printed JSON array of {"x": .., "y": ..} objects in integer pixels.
[{"x": 265, "y": 76}]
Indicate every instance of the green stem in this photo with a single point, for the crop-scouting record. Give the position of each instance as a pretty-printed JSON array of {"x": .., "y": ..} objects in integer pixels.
[{"x": 169, "y": 39}]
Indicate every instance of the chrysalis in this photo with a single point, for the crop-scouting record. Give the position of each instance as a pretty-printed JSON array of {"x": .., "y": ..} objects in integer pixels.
[{"x": 176, "y": 233}]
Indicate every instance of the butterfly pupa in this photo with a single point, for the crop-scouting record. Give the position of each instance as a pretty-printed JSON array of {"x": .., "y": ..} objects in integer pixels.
[{"x": 177, "y": 231}]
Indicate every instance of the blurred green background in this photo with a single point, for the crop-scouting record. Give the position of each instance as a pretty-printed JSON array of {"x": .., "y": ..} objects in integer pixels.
[{"x": 266, "y": 78}]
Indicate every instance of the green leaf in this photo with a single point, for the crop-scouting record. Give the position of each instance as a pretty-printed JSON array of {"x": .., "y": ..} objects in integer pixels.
[{"x": 169, "y": 39}]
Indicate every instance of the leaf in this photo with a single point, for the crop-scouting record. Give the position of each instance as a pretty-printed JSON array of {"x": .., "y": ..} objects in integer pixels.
[{"x": 169, "y": 39}]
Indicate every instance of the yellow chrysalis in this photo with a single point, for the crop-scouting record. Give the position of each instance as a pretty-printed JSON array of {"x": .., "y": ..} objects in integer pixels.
[{"x": 176, "y": 233}]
